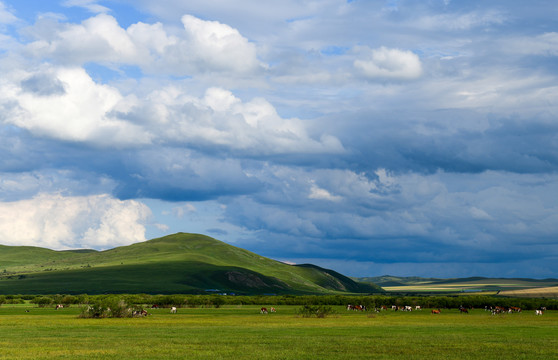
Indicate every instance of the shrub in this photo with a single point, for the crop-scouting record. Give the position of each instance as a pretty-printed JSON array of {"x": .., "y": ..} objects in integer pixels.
[
  {"x": 42, "y": 301},
  {"x": 111, "y": 307},
  {"x": 319, "y": 311}
]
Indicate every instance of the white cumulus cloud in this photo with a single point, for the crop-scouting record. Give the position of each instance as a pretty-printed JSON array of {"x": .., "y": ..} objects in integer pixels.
[
  {"x": 203, "y": 46},
  {"x": 219, "y": 45},
  {"x": 58, "y": 222},
  {"x": 65, "y": 103},
  {"x": 385, "y": 63}
]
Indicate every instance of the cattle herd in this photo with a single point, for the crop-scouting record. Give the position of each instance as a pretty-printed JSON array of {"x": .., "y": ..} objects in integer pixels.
[{"x": 494, "y": 310}]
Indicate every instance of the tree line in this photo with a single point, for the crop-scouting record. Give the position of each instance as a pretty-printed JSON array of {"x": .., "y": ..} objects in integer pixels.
[{"x": 370, "y": 301}]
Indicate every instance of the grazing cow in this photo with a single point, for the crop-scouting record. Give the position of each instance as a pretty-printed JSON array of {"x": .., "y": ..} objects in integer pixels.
[
  {"x": 408, "y": 308},
  {"x": 272, "y": 310},
  {"x": 394, "y": 307},
  {"x": 263, "y": 310},
  {"x": 140, "y": 313},
  {"x": 154, "y": 306},
  {"x": 59, "y": 306},
  {"x": 417, "y": 307},
  {"x": 435, "y": 311},
  {"x": 173, "y": 310},
  {"x": 463, "y": 310},
  {"x": 538, "y": 312}
]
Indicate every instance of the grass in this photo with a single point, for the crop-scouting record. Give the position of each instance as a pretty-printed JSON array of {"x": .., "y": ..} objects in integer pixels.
[
  {"x": 480, "y": 286},
  {"x": 241, "y": 332},
  {"x": 178, "y": 263},
  {"x": 547, "y": 292}
]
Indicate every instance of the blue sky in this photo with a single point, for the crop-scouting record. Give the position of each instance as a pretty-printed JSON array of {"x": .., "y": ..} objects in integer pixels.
[{"x": 370, "y": 137}]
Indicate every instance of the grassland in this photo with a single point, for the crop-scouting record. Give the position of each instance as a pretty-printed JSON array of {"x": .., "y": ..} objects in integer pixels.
[
  {"x": 241, "y": 332},
  {"x": 544, "y": 292},
  {"x": 477, "y": 285}
]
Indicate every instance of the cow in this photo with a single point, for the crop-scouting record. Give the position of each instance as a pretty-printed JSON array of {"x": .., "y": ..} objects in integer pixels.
[
  {"x": 463, "y": 310},
  {"x": 59, "y": 306},
  {"x": 434, "y": 311},
  {"x": 173, "y": 310},
  {"x": 263, "y": 310},
  {"x": 272, "y": 310},
  {"x": 408, "y": 308},
  {"x": 417, "y": 307},
  {"x": 538, "y": 312},
  {"x": 140, "y": 313}
]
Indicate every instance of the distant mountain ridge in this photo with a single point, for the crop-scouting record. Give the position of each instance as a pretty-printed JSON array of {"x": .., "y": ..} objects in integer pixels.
[{"x": 178, "y": 263}]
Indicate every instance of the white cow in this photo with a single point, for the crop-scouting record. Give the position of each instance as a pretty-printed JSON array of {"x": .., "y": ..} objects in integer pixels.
[
  {"x": 538, "y": 312},
  {"x": 173, "y": 310}
]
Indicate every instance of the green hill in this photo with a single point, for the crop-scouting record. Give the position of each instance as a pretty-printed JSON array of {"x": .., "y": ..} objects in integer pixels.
[{"x": 179, "y": 263}]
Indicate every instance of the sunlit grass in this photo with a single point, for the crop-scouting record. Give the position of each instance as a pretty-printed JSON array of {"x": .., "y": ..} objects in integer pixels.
[{"x": 241, "y": 332}]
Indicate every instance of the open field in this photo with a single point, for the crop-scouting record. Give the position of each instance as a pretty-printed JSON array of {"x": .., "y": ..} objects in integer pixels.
[
  {"x": 241, "y": 332},
  {"x": 481, "y": 286},
  {"x": 547, "y": 292}
]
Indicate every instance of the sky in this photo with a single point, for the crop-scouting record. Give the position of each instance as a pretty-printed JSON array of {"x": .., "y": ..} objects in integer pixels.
[{"x": 371, "y": 137}]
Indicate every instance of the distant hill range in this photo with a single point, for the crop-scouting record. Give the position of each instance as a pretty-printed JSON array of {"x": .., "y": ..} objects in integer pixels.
[
  {"x": 174, "y": 264},
  {"x": 482, "y": 285}
]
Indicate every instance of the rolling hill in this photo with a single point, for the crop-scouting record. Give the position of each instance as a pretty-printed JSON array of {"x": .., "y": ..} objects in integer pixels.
[{"x": 179, "y": 263}]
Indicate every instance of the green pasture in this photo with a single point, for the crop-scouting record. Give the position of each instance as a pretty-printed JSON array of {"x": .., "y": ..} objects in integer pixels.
[{"x": 241, "y": 332}]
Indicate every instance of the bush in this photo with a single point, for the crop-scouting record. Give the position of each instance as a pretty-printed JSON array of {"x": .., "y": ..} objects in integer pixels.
[
  {"x": 111, "y": 307},
  {"x": 42, "y": 301},
  {"x": 319, "y": 311}
]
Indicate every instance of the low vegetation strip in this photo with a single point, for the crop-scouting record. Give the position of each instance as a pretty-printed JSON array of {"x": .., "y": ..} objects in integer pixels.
[
  {"x": 369, "y": 301},
  {"x": 243, "y": 332}
]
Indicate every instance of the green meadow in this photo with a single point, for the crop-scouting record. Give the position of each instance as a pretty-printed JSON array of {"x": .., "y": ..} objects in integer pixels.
[{"x": 241, "y": 332}]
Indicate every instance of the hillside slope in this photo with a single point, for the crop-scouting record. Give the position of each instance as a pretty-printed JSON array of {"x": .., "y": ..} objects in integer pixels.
[{"x": 179, "y": 263}]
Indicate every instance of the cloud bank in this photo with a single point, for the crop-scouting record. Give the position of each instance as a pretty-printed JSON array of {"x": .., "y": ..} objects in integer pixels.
[{"x": 410, "y": 138}]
